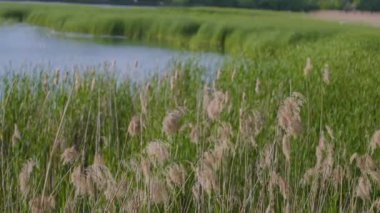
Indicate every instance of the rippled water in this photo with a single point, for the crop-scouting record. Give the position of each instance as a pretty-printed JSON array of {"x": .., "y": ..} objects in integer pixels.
[{"x": 23, "y": 47}]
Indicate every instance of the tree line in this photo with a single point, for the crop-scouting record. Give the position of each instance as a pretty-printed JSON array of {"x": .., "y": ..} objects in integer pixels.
[{"x": 294, "y": 5}]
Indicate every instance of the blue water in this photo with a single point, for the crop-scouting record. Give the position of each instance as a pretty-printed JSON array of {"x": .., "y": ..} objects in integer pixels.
[{"x": 24, "y": 47}]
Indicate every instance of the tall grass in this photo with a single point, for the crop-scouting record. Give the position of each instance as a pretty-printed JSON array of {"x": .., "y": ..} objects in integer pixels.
[{"x": 182, "y": 143}]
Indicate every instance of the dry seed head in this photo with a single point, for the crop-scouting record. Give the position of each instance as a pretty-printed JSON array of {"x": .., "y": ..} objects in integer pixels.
[
  {"x": 207, "y": 179},
  {"x": 42, "y": 204},
  {"x": 337, "y": 175},
  {"x": 375, "y": 176},
  {"x": 24, "y": 177},
  {"x": 375, "y": 141},
  {"x": 69, "y": 206},
  {"x": 365, "y": 164},
  {"x": 326, "y": 74},
  {"x": 257, "y": 86},
  {"x": 171, "y": 122},
  {"x": 309, "y": 175},
  {"x": 158, "y": 193},
  {"x": 196, "y": 191},
  {"x": 224, "y": 131},
  {"x": 82, "y": 184},
  {"x": 216, "y": 105},
  {"x": 133, "y": 205},
  {"x": 353, "y": 157},
  {"x": 209, "y": 160},
  {"x": 116, "y": 190},
  {"x": 288, "y": 115},
  {"x": 266, "y": 157},
  {"x": 363, "y": 189},
  {"x": 93, "y": 84},
  {"x": 45, "y": 81},
  {"x": 66, "y": 76},
  {"x": 195, "y": 134},
  {"x": 286, "y": 147},
  {"x": 16, "y": 135},
  {"x": 327, "y": 164},
  {"x": 330, "y": 132},
  {"x": 176, "y": 175},
  {"x": 69, "y": 155},
  {"x": 284, "y": 188},
  {"x": 145, "y": 168},
  {"x": 218, "y": 74},
  {"x": 375, "y": 207},
  {"x": 144, "y": 103},
  {"x": 308, "y": 67},
  {"x": 233, "y": 75},
  {"x": 99, "y": 174},
  {"x": 206, "y": 97},
  {"x": 320, "y": 150},
  {"x": 77, "y": 81},
  {"x": 157, "y": 151},
  {"x": 135, "y": 125},
  {"x": 251, "y": 125},
  {"x": 56, "y": 77},
  {"x": 220, "y": 151}
]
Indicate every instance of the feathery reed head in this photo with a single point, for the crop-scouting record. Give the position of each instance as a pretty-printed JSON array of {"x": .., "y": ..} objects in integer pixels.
[
  {"x": 24, "y": 177},
  {"x": 326, "y": 74},
  {"x": 158, "y": 193},
  {"x": 288, "y": 115},
  {"x": 363, "y": 189},
  {"x": 157, "y": 151},
  {"x": 308, "y": 68},
  {"x": 16, "y": 135},
  {"x": 171, "y": 122},
  {"x": 69, "y": 155},
  {"x": 82, "y": 183},
  {"x": 175, "y": 175},
  {"x": 216, "y": 105},
  {"x": 375, "y": 141},
  {"x": 42, "y": 204},
  {"x": 135, "y": 125}
]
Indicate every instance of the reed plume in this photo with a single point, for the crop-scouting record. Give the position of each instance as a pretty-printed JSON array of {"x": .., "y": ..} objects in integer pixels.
[
  {"x": 157, "y": 152},
  {"x": 16, "y": 136},
  {"x": 216, "y": 104},
  {"x": 326, "y": 74},
  {"x": 135, "y": 125},
  {"x": 82, "y": 183},
  {"x": 158, "y": 193},
  {"x": 24, "y": 177},
  {"x": 363, "y": 189},
  {"x": 69, "y": 155},
  {"x": 171, "y": 122},
  {"x": 375, "y": 141},
  {"x": 308, "y": 68},
  {"x": 288, "y": 116},
  {"x": 257, "y": 86},
  {"x": 176, "y": 175},
  {"x": 42, "y": 204}
]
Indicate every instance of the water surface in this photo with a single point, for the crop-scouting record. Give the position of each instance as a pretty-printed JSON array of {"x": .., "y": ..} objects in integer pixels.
[{"x": 23, "y": 47}]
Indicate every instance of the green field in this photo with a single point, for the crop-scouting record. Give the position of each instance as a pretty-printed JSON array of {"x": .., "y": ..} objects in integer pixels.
[{"x": 243, "y": 141}]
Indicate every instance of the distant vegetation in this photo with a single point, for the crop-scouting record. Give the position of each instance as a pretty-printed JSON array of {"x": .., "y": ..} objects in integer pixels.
[
  {"x": 296, "y": 5},
  {"x": 234, "y": 31}
]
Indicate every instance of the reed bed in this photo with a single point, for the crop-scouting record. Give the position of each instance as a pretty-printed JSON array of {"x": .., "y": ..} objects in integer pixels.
[{"x": 88, "y": 140}]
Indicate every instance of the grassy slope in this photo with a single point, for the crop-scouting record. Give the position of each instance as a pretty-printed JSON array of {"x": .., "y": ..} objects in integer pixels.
[
  {"x": 278, "y": 44},
  {"x": 228, "y": 30}
]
